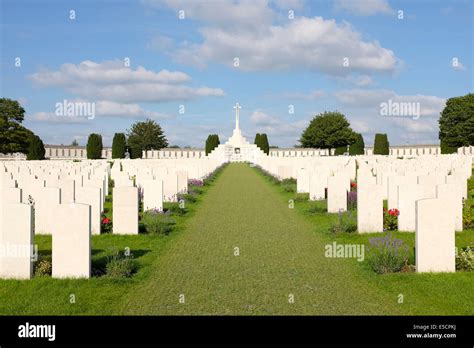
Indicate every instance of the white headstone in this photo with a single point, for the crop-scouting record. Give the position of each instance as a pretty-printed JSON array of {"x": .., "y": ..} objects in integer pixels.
[
  {"x": 46, "y": 200},
  {"x": 72, "y": 241},
  {"x": 152, "y": 195},
  {"x": 435, "y": 239},
  {"x": 337, "y": 193},
  {"x": 370, "y": 208},
  {"x": 125, "y": 210},
  {"x": 16, "y": 240},
  {"x": 91, "y": 196}
]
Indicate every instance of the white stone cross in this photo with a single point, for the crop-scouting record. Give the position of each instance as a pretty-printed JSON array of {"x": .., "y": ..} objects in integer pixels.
[{"x": 237, "y": 107}]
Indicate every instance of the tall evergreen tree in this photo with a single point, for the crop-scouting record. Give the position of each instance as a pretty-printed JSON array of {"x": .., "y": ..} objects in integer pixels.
[
  {"x": 119, "y": 145},
  {"x": 212, "y": 142},
  {"x": 264, "y": 143},
  {"x": 357, "y": 148},
  {"x": 381, "y": 144},
  {"x": 94, "y": 146},
  {"x": 258, "y": 140}
]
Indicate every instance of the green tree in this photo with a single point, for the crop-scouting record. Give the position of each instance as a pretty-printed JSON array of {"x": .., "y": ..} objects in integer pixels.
[
  {"x": 340, "y": 150},
  {"x": 36, "y": 149},
  {"x": 74, "y": 143},
  {"x": 264, "y": 143},
  {"x": 357, "y": 148},
  {"x": 145, "y": 135},
  {"x": 212, "y": 142},
  {"x": 328, "y": 130},
  {"x": 94, "y": 146},
  {"x": 119, "y": 145},
  {"x": 381, "y": 144},
  {"x": 14, "y": 137},
  {"x": 258, "y": 140},
  {"x": 456, "y": 124}
]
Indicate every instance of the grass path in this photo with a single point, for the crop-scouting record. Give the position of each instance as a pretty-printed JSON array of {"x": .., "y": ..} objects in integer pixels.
[{"x": 280, "y": 254}]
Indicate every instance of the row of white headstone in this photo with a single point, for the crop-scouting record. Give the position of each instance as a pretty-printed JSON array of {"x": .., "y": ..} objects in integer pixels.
[
  {"x": 427, "y": 191},
  {"x": 71, "y": 209}
]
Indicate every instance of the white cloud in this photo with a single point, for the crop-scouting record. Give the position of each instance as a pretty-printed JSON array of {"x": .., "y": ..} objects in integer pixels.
[
  {"x": 102, "y": 108},
  {"x": 114, "y": 109},
  {"x": 303, "y": 43},
  {"x": 111, "y": 80},
  {"x": 243, "y": 15},
  {"x": 363, "y": 7},
  {"x": 245, "y": 29},
  {"x": 108, "y": 72},
  {"x": 372, "y": 98}
]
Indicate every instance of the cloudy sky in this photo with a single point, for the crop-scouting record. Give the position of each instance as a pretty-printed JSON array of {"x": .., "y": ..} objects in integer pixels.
[{"x": 185, "y": 63}]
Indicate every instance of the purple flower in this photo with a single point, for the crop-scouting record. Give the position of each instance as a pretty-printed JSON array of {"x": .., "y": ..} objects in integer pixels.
[{"x": 195, "y": 182}]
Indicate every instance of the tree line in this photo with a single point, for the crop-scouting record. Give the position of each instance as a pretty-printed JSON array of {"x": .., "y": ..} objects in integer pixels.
[{"x": 328, "y": 130}]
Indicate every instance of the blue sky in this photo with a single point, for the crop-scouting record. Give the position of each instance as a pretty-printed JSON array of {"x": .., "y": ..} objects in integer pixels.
[{"x": 189, "y": 62}]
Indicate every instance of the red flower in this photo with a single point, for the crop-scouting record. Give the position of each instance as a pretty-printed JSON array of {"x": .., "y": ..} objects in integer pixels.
[
  {"x": 353, "y": 184},
  {"x": 105, "y": 221},
  {"x": 394, "y": 212}
]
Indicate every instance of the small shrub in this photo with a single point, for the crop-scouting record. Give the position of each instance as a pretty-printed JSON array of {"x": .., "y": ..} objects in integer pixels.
[
  {"x": 289, "y": 185},
  {"x": 465, "y": 259},
  {"x": 119, "y": 266},
  {"x": 157, "y": 222},
  {"x": 344, "y": 224},
  {"x": 44, "y": 266},
  {"x": 387, "y": 254},
  {"x": 390, "y": 219},
  {"x": 175, "y": 209},
  {"x": 289, "y": 181}
]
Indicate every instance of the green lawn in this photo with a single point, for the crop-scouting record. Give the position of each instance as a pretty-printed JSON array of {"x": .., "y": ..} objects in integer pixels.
[{"x": 281, "y": 255}]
